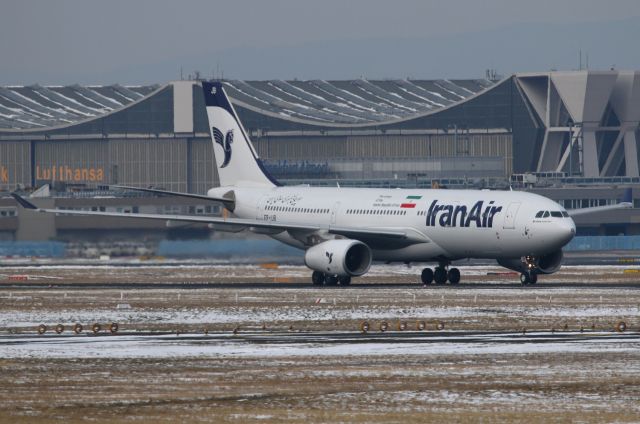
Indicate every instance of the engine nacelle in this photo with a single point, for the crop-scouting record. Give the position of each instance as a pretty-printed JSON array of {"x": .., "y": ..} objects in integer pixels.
[
  {"x": 339, "y": 257},
  {"x": 545, "y": 264}
]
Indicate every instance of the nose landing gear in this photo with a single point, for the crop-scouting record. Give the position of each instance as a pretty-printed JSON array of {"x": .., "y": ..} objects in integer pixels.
[{"x": 528, "y": 278}]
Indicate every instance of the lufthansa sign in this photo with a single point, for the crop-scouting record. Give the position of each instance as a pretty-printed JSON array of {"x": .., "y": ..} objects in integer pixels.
[{"x": 70, "y": 174}]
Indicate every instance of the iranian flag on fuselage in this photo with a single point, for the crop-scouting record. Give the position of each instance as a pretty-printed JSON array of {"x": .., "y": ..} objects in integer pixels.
[{"x": 409, "y": 202}]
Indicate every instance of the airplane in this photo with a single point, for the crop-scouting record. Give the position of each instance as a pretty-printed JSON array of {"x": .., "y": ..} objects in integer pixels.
[{"x": 344, "y": 230}]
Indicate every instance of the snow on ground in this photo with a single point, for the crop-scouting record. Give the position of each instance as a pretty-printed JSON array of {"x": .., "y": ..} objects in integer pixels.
[
  {"x": 165, "y": 347},
  {"x": 303, "y": 312}
]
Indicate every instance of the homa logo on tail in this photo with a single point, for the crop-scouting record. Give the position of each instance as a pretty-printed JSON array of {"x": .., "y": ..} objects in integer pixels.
[{"x": 225, "y": 142}]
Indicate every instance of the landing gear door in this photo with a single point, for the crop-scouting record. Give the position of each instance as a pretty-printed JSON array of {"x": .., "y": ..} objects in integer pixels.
[{"x": 510, "y": 216}]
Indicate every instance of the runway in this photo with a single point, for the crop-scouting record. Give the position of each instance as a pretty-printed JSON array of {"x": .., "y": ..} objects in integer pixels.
[
  {"x": 239, "y": 343},
  {"x": 198, "y": 276},
  {"x": 471, "y": 285}
]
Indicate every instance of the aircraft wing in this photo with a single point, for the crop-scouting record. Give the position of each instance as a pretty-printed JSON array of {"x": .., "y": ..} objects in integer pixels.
[
  {"x": 373, "y": 235},
  {"x": 177, "y": 194},
  {"x": 625, "y": 203}
]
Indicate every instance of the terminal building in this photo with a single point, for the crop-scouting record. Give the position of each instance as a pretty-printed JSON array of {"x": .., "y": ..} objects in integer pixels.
[{"x": 571, "y": 136}]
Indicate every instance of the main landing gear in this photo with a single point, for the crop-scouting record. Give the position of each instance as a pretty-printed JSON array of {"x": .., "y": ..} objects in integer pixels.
[
  {"x": 440, "y": 275},
  {"x": 319, "y": 278},
  {"x": 528, "y": 278}
]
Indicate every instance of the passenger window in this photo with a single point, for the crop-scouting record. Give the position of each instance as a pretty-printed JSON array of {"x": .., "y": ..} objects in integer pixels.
[
  {"x": 539, "y": 214},
  {"x": 546, "y": 214}
]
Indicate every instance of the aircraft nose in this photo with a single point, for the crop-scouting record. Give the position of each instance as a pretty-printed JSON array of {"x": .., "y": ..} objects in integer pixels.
[{"x": 565, "y": 231}]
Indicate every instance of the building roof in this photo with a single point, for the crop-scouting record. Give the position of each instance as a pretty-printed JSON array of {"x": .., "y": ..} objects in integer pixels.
[
  {"x": 35, "y": 106},
  {"x": 323, "y": 102},
  {"x": 352, "y": 101}
]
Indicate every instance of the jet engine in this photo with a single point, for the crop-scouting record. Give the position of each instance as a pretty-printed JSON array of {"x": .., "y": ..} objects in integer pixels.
[
  {"x": 545, "y": 264},
  {"x": 339, "y": 257}
]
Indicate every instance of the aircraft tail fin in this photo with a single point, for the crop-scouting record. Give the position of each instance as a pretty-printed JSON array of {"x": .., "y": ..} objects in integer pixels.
[{"x": 237, "y": 161}]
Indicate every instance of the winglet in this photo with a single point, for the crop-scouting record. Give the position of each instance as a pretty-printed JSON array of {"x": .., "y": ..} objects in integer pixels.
[{"x": 24, "y": 203}]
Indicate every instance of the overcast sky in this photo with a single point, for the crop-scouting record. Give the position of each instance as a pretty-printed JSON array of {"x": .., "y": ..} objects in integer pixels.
[{"x": 149, "y": 41}]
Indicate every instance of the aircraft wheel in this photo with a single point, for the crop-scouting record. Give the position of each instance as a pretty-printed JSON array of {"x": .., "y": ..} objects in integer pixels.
[
  {"x": 330, "y": 280},
  {"x": 525, "y": 278},
  {"x": 317, "y": 278},
  {"x": 454, "y": 276},
  {"x": 344, "y": 280},
  {"x": 427, "y": 276},
  {"x": 440, "y": 275},
  {"x": 533, "y": 279}
]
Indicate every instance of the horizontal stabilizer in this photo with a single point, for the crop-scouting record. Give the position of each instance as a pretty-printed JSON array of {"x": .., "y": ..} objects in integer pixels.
[
  {"x": 23, "y": 202},
  {"x": 228, "y": 202}
]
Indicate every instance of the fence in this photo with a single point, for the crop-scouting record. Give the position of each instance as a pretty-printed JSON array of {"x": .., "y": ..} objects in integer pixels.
[
  {"x": 49, "y": 249},
  {"x": 266, "y": 248}
]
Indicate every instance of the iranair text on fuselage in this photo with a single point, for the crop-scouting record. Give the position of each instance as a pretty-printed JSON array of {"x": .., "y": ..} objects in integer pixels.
[{"x": 460, "y": 215}]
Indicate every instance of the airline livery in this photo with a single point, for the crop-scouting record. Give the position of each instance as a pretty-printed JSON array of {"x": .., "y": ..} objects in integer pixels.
[{"x": 343, "y": 230}]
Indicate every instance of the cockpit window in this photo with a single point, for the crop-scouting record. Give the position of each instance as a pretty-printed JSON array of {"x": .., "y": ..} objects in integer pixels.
[{"x": 555, "y": 214}]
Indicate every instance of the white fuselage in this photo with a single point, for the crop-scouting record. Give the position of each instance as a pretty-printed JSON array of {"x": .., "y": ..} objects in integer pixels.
[{"x": 455, "y": 224}]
